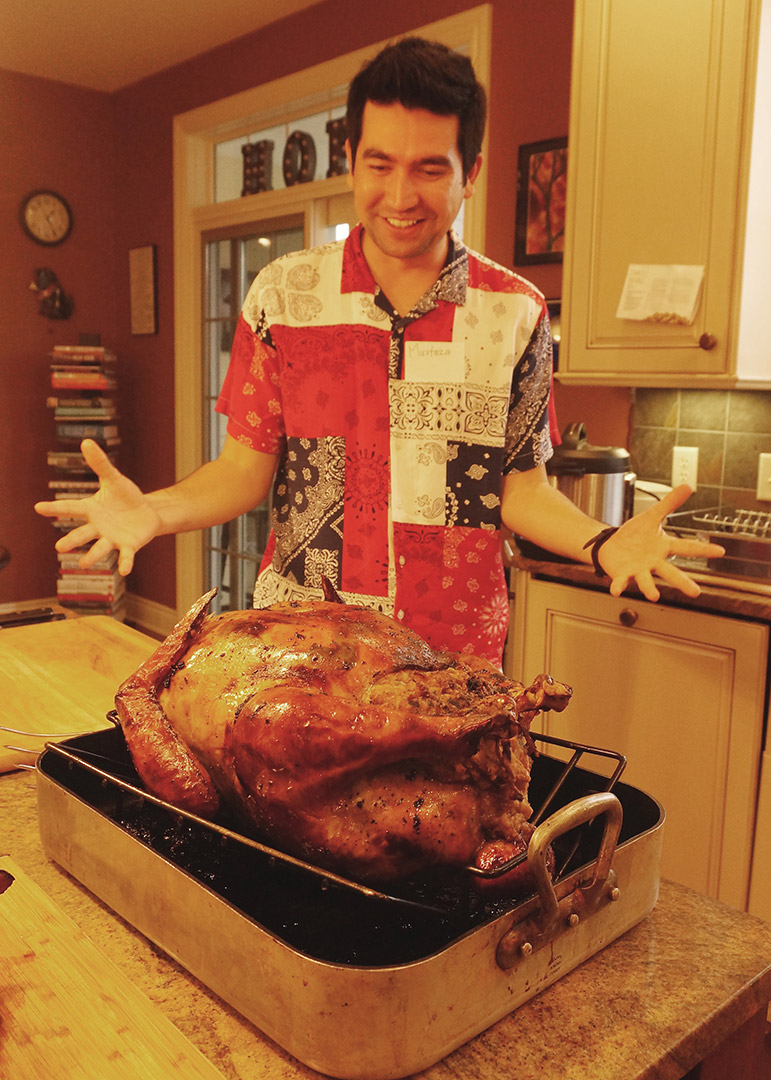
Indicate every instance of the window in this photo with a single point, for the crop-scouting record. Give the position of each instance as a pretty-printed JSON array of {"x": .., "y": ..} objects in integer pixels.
[{"x": 229, "y": 159}]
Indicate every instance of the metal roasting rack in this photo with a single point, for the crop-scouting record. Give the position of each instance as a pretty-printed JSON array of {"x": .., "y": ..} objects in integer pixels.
[
  {"x": 115, "y": 774},
  {"x": 38, "y": 736}
]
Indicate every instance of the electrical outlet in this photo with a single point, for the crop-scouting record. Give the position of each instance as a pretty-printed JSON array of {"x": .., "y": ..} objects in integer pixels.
[
  {"x": 764, "y": 476},
  {"x": 685, "y": 465}
]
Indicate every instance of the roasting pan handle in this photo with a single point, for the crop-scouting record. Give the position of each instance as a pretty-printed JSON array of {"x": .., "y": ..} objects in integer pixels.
[{"x": 558, "y": 913}]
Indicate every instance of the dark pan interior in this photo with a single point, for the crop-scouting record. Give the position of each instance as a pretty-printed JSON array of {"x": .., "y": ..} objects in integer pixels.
[{"x": 312, "y": 914}]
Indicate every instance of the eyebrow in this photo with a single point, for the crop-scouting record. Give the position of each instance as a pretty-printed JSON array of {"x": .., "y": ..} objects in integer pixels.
[{"x": 431, "y": 159}]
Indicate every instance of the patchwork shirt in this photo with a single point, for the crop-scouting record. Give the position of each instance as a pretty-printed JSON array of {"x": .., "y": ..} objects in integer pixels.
[{"x": 394, "y": 433}]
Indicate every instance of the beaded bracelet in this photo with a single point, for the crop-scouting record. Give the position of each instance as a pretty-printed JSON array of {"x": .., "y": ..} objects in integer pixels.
[{"x": 596, "y": 543}]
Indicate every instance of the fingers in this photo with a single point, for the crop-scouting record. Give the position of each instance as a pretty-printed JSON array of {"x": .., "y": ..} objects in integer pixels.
[
  {"x": 618, "y": 584},
  {"x": 125, "y": 561},
  {"x": 695, "y": 549},
  {"x": 647, "y": 586},
  {"x": 76, "y": 538},
  {"x": 98, "y": 551},
  {"x": 644, "y": 582},
  {"x": 65, "y": 508},
  {"x": 678, "y": 579},
  {"x": 96, "y": 459},
  {"x": 670, "y": 502},
  {"x": 48, "y": 509},
  {"x": 101, "y": 549}
]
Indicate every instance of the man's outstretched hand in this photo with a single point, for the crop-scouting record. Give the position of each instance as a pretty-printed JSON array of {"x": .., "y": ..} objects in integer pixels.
[
  {"x": 117, "y": 516},
  {"x": 641, "y": 549}
]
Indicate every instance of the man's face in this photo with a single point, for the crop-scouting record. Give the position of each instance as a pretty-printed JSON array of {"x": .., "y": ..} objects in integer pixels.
[{"x": 408, "y": 181}]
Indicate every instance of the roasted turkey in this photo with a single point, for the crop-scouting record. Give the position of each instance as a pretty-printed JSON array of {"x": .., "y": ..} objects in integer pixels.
[{"x": 337, "y": 734}]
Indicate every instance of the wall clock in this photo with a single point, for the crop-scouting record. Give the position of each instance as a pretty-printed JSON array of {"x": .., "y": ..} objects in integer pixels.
[{"x": 45, "y": 217}]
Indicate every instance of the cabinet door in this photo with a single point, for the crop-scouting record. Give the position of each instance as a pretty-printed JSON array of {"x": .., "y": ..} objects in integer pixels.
[
  {"x": 659, "y": 136},
  {"x": 680, "y": 693}
]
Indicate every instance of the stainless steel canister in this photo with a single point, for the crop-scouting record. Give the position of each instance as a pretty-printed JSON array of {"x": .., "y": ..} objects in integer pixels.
[{"x": 596, "y": 478}]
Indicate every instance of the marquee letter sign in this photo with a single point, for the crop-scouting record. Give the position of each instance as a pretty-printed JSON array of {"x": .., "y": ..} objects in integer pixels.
[
  {"x": 299, "y": 158},
  {"x": 258, "y": 166}
]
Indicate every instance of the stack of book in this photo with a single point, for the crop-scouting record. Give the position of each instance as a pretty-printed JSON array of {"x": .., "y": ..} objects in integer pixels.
[
  {"x": 83, "y": 385},
  {"x": 83, "y": 378},
  {"x": 99, "y": 590}
]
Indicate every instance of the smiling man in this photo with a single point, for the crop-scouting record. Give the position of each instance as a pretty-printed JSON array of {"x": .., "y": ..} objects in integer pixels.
[
  {"x": 393, "y": 388},
  {"x": 408, "y": 183}
]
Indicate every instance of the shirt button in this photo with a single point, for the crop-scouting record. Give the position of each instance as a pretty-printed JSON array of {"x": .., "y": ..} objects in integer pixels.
[
  {"x": 402, "y": 560},
  {"x": 399, "y": 614}
]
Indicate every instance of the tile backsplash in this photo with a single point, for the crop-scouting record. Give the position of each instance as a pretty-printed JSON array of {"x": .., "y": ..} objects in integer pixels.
[{"x": 729, "y": 427}]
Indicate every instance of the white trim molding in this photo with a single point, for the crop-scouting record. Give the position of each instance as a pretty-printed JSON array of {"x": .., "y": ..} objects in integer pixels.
[{"x": 154, "y": 619}]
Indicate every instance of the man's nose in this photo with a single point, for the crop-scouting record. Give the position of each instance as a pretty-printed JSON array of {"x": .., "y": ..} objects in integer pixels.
[{"x": 402, "y": 191}]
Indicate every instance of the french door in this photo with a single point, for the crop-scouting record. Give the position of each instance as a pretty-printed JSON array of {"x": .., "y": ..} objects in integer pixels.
[{"x": 232, "y": 258}]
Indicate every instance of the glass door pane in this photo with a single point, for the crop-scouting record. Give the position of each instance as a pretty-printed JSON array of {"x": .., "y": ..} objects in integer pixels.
[{"x": 233, "y": 551}]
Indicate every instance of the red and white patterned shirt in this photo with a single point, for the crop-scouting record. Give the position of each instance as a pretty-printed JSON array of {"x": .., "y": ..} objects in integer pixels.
[{"x": 394, "y": 433}]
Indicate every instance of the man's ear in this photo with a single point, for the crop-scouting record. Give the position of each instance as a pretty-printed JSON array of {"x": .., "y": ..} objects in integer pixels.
[
  {"x": 349, "y": 159},
  {"x": 471, "y": 179}
]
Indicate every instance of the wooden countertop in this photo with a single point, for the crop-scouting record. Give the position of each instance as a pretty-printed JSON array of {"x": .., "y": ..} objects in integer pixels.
[
  {"x": 690, "y": 983},
  {"x": 650, "y": 1006},
  {"x": 60, "y": 678}
]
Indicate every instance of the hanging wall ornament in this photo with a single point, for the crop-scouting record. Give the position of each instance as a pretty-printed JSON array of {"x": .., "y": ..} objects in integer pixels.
[{"x": 54, "y": 303}]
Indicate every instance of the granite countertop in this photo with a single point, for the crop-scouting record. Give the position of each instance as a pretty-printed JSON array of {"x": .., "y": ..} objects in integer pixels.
[
  {"x": 649, "y": 1006},
  {"x": 718, "y": 599}
]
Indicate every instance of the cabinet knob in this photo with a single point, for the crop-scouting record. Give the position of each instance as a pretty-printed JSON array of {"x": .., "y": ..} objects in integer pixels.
[
  {"x": 627, "y": 617},
  {"x": 707, "y": 341}
]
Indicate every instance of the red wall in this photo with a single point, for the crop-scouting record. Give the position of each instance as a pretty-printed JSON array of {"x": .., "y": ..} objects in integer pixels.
[
  {"x": 111, "y": 156},
  {"x": 64, "y": 138}
]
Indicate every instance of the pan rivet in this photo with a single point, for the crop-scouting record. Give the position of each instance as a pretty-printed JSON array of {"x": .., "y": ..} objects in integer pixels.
[
  {"x": 615, "y": 894},
  {"x": 573, "y": 919},
  {"x": 526, "y": 948}
]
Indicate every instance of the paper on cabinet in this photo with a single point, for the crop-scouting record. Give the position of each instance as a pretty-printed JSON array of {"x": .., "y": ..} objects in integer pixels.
[{"x": 661, "y": 293}]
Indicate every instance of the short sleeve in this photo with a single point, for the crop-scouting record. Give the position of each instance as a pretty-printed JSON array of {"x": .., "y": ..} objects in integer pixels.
[
  {"x": 251, "y": 393},
  {"x": 528, "y": 441}
]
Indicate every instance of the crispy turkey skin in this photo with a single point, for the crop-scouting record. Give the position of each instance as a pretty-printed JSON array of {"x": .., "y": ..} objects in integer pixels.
[{"x": 337, "y": 733}]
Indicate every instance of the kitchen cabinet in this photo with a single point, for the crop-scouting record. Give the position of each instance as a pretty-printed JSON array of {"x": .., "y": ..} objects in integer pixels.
[
  {"x": 668, "y": 165},
  {"x": 679, "y": 692}
]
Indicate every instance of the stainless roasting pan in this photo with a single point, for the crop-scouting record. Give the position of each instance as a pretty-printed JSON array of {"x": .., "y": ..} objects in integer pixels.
[{"x": 355, "y": 982}]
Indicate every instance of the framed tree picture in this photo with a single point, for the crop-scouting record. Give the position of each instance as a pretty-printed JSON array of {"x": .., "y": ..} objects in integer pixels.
[{"x": 541, "y": 189}]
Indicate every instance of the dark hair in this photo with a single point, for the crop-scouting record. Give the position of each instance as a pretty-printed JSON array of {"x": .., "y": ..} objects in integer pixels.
[{"x": 420, "y": 74}]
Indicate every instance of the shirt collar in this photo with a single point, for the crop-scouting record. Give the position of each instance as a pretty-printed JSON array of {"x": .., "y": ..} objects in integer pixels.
[{"x": 450, "y": 287}]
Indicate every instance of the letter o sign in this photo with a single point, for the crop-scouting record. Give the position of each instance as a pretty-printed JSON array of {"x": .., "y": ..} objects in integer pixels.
[{"x": 299, "y": 159}]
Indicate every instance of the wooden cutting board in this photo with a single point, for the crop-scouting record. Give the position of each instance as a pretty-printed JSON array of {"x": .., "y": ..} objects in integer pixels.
[
  {"x": 60, "y": 678},
  {"x": 68, "y": 1011}
]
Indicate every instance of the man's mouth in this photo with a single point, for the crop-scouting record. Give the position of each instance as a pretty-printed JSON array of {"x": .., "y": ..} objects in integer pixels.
[{"x": 402, "y": 223}]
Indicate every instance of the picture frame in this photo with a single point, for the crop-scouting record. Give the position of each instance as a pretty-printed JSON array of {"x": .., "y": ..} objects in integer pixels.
[
  {"x": 143, "y": 290},
  {"x": 541, "y": 189}
]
